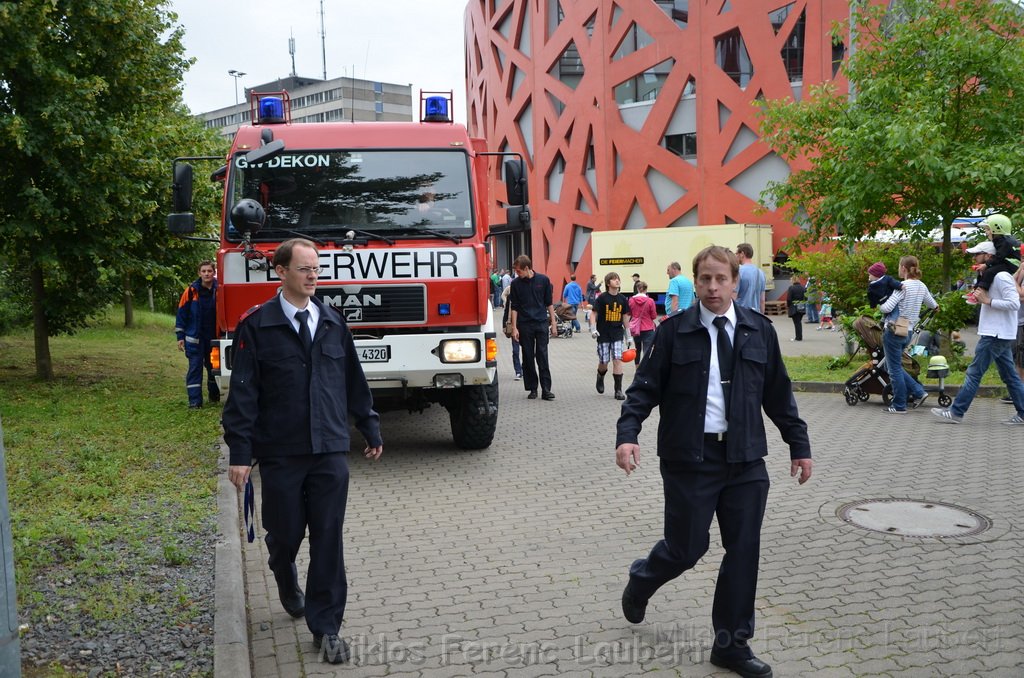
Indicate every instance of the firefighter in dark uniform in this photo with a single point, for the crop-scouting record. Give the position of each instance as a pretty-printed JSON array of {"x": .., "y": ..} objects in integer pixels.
[
  {"x": 195, "y": 328},
  {"x": 295, "y": 382},
  {"x": 714, "y": 368}
]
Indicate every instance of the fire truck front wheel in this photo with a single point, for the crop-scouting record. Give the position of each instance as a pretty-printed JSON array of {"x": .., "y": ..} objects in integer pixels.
[{"x": 474, "y": 416}]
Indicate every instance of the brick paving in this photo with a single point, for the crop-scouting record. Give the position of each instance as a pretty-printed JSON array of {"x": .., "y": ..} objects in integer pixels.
[{"x": 511, "y": 561}]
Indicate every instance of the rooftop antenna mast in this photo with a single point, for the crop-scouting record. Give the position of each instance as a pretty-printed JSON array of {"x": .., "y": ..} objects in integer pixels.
[
  {"x": 291, "y": 50},
  {"x": 323, "y": 39}
]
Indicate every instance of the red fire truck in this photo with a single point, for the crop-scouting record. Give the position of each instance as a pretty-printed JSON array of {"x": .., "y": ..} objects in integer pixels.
[{"x": 399, "y": 214}]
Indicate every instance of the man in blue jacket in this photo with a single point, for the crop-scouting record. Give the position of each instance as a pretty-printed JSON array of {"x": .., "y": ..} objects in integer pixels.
[
  {"x": 195, "y": 328},
  {"x": 572, "y": 295},
  {"x": 296, "y": 380},
  {"x": 713, "y": 369}
]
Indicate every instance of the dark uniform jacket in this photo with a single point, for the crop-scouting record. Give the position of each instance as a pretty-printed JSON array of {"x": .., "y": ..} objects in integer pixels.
[
  {"x": 282, "y": 403},
  {"x": 674, "y": 377},
  {"x": 530, "y": 298}
]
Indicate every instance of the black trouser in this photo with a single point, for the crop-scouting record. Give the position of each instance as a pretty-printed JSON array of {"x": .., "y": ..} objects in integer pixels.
[
  {"x": 533, "y": 339},
  {"x": 694, "y": 493},
  {"x": 798, "y": 326},
  {"x": 300, "y": 491}
]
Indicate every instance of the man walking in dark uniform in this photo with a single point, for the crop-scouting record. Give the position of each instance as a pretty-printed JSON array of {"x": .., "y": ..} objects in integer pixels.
[
  {"x": 195, "y": 327},
  {"x": 713, "y": 369},
  {"x": 296, "y": 380},
  {"x": 533, "y": 322}
]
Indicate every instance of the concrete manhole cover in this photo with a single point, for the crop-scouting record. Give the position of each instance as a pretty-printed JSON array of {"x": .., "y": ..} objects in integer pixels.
[{"x": 913, "y": 518}]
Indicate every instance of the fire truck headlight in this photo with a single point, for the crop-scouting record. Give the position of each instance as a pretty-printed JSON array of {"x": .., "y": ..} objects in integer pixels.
[{"x": 460, "y": 351}]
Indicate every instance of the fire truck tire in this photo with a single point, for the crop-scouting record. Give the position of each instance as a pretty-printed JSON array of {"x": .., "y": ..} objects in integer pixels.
[{"x": 474, "y": 416}]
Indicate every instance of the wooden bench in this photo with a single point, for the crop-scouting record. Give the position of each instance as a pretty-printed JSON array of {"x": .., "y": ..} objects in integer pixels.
[{"x": 775, "y": 308}]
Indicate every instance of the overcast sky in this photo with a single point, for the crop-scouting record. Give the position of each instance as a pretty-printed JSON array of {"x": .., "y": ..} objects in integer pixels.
[{"x": 417, "y": 42}]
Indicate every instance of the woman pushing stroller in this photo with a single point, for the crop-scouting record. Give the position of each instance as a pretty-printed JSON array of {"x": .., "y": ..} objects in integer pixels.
[{"x": 907, "y": 301}]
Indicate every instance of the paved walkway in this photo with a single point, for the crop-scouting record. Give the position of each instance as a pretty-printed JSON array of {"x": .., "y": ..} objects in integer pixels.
[{"x": 511, "y": 561}]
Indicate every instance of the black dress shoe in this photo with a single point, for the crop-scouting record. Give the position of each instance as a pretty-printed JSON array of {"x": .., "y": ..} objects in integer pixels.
[
  {"x": 633, "y": 608},
  {"x": 750, "y": 667},
  {"x": 533, "y": 395},
  {"x": 547, "y": 395},
  {"x": 292, "y": 599},
  {"x": 332, "y": 648}
]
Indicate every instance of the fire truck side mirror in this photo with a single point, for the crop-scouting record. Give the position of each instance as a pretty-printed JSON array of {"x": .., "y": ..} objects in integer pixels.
[
  {"x": 181, "y": 190},
  {"x": 515, "y": 182},
  {"x": 517, "y": 218},
  {"x": 181, "y": 221}
]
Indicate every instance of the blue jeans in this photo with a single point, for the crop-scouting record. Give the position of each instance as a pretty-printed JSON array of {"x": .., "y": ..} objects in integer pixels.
[
  {"x": 516, "y": 364},
  {"x": 989, "y": 350},
  {"x": 902, "y": 383},
  {"x": 812, "y": 313}
]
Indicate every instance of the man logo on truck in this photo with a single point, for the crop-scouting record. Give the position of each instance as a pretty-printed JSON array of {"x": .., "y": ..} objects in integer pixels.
[{"x": 352, "y": 305}]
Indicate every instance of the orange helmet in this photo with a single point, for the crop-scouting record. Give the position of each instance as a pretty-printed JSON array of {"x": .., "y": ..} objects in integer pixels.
[{"x": 629, "y": 355}]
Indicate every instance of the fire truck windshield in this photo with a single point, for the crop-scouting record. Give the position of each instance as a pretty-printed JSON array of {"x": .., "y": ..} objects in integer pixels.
[{"x": 324, "y": 193}]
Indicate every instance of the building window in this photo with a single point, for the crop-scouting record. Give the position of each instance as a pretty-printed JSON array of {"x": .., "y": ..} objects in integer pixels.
[
  {"x": 378, "y": 106},
  {"x": 677, "y": 10},
  {"x": 646, "y": 86},
  {"x": 378, "y": 87},
  {"x": 838, "y": 52},
  {"x": 683, "y": 145},
  {"x": 731, "y": 56},
  {"x": 792, "y": 52}
]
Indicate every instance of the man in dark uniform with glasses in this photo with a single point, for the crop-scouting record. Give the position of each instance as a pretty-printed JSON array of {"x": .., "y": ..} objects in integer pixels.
[{"x": 296, "y": 378}]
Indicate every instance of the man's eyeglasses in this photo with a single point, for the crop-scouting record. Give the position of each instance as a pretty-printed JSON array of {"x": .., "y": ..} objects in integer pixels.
[{"x": 306, "y": 270}]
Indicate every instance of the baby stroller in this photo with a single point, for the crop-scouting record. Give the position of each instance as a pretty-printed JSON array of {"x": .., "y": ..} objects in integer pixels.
[
  {"x": 873, "y": 376},
  {"x": 564, "y": 317}
]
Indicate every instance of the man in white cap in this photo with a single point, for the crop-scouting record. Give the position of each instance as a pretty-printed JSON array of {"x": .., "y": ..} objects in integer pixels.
[{"x": 997, "y": 331}]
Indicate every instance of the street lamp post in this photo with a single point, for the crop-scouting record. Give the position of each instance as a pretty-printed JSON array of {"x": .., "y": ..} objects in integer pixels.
[{"x": 236, "y": 75}]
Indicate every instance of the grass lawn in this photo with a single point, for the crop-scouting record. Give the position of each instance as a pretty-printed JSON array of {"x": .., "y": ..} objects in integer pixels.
[
  {"x": 109, "y": 473},
  {"x": 824, "y": 369}
]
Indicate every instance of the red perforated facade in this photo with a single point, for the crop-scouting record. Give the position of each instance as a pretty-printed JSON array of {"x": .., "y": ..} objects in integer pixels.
[{"x": 638, "y": 113}]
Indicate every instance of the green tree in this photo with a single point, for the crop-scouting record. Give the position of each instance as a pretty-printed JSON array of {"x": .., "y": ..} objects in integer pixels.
[
  {"x": 153, "y": 261},
  {"x": 932, "y": 128},
  {"x": 82, "y": 84}
]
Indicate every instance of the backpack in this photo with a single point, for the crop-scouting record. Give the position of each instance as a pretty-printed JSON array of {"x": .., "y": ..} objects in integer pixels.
[{"x": 506, "y": 321}]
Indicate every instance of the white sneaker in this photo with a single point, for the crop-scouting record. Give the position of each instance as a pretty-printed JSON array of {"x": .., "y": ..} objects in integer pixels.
[
  {"x": 946, "y": 416},
  {"x": 518, "y": 377},
  {"x": 1015, "y": 420}
]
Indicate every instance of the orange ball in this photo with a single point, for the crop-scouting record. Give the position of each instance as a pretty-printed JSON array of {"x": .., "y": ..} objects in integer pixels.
[{"x": 629, "y": 355}]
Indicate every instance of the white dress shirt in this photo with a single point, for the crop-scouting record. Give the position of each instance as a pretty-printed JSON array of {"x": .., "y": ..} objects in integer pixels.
[
  {"x": 714, "y": 419},
  {"x": 290, "y": 311}
]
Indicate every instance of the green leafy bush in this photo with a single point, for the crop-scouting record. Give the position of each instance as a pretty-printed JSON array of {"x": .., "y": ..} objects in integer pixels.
[{"x": 841, "y": 273}]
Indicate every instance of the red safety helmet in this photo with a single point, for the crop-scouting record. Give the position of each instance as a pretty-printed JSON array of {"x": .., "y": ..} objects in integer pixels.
[{"x": 629, "y": 355}]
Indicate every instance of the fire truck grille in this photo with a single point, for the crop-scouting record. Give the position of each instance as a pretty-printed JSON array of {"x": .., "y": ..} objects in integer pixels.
[{"x": 377, "y": 304}]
